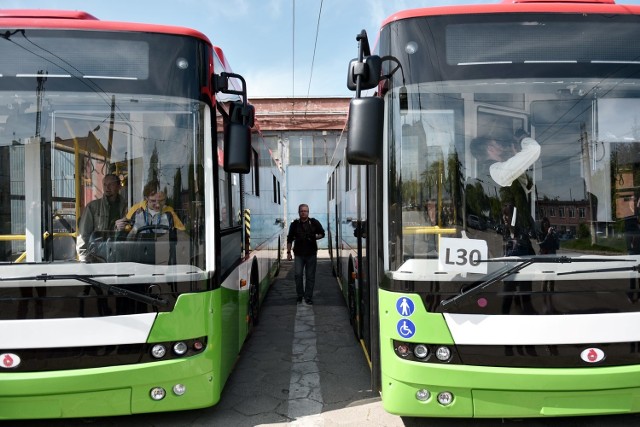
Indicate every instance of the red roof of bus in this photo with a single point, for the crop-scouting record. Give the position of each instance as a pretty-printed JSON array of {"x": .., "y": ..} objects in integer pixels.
[
  {"x": 518, "y": 6},
  {"x": 78, "y": 20}
]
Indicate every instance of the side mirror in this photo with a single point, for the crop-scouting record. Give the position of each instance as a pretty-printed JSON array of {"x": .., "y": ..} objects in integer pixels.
[
  {"x": 237, "y": 143},
  {"x": 369, "y": 70},
  {"x": 237, "y": 138},
  {"x": 366, "y": 126}
]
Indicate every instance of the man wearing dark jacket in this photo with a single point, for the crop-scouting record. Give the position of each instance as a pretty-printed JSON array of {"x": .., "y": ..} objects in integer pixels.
[
  {"x": 104, "y": 214},
  {"x": 303, "y": 233}
]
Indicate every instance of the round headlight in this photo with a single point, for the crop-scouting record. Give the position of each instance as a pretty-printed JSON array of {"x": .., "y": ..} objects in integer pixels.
[
  {"x": 423, "y": 395},
  {"x": 421, "y": 351},
  {"x": 443, "y": 354},
  {"x": 445, "y": 398},
  {"x": 157, "y": 393},
  {"x": 158, "y": 351},
  {"x": 179, "y": 389},
  {"x": 180, "y": 348}
]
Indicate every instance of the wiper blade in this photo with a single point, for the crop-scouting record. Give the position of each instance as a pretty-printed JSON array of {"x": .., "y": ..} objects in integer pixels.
[
  {"x": 603, "y": 270},
  {"x": 507, "y": 271},
  {"x": 90, "y": 279}
]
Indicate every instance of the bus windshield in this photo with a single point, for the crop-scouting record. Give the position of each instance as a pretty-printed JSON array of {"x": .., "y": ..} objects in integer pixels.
[
  {"x": 102, "y": 152},
  {"x": 525, "y": 157},
  {"x": 91, "y": 165}
]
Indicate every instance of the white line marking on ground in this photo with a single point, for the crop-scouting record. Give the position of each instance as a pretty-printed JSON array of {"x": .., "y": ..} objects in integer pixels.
[{"x": 305, "y": 395}]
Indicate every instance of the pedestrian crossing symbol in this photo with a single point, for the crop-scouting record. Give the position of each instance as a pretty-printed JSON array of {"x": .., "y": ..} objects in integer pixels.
[{"x": 405, "y": 306}]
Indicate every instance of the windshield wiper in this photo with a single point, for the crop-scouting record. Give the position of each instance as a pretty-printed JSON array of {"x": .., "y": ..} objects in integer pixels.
[
  {"x": 507, "y": 271},
  {"x": 90, "y": 279},
  {"x": 603, "y": 270}
]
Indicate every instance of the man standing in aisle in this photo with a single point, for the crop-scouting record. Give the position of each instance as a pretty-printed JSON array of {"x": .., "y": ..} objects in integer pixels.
[{"x": 303, "y": 233}]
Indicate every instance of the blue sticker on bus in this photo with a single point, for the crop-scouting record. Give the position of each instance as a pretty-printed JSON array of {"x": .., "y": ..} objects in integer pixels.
[
  {"x": 405, "y": 306},
  {"x": 405, "y": 328}
]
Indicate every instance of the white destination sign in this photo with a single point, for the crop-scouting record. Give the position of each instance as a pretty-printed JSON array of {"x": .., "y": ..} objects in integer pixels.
[{"x": 463, "y": 255}]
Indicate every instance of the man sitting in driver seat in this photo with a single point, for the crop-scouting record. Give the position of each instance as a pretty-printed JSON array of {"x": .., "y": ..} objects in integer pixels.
[{"x": 153, "y": 213}]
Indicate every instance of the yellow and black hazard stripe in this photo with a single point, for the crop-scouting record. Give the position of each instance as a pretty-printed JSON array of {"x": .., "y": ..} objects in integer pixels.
[{"x": 247, "y": 230}]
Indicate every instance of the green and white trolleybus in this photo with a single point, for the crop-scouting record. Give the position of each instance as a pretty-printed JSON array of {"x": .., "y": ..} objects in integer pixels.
[
  {"x": 147, "y": 320},
  {"x": 484, "y": 209}
]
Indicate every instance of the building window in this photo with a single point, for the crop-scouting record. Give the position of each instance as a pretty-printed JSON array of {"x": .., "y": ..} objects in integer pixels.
[
  {"x": 275, "y": 189},
  {"x": 312, "y": 148},
  {"x": 253, "y": 180}
]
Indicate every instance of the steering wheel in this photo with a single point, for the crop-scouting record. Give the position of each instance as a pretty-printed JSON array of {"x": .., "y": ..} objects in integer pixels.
[{"x": 153, "y": 227}]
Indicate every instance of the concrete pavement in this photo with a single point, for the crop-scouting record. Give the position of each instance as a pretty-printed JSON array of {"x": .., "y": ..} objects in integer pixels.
[{"x": 303, "y": 365}]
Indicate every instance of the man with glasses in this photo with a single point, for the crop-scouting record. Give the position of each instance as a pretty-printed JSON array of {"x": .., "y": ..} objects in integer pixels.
[{"x": 303, "y": 233}]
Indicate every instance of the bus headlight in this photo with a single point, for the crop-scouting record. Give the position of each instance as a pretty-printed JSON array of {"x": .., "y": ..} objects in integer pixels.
[
  {"x": 423, "y": 395},
  {"x": 180, "y": 348},
  {"x": 443, "y": 353},
  {"x": 179, "y": 389},
  {"x": 445, "y": 398},
  {"x": 158, "y": 351},
  {"x": 157, "y": 393},
  {"x": 421, "y": 351}
]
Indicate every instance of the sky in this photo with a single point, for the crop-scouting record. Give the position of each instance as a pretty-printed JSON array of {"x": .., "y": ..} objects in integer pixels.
[{"x": 282, "y": 48}]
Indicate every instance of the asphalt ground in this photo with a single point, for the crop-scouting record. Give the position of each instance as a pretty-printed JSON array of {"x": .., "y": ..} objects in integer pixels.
[{"x": 302, "y": 366}]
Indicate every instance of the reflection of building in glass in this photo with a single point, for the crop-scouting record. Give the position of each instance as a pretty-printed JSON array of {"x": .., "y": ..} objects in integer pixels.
[{"x": 565, "y": 215}]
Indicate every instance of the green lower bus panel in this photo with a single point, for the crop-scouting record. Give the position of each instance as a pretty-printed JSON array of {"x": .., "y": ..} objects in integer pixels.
[
  {"x": 101, "y": 392},
  {"x": 400, "y": 398},
  {"x": 410, "y": 387}
]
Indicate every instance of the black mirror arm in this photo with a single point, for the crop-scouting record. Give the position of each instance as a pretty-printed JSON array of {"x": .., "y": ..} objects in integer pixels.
[{"x": 363, "y": 49}]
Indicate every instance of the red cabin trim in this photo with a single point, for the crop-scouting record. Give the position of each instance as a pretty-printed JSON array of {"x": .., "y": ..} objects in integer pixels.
[
  {"x": 521, "y": 6},
  {"x": 77, "y": 20}
]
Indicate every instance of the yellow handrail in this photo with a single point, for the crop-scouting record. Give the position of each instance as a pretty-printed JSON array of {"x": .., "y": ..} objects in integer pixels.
[
  {"x": 427, "y": 229},
  {"x": 11, "y": 237},
  {"x": 22, "y": 237}
]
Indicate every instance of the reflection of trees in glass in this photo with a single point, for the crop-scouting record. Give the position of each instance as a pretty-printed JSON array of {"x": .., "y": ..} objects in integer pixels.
[
  {"x": 455, "y": 184},
  {"x": 439, "y": 182},
  {"x": 177, "y": 189},
  {"x": 152, "y": 173}
]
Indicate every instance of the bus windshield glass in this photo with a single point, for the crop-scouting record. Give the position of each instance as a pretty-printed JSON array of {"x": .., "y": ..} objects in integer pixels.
[
  {"x": 535, "y": 153},
  {"x": 102, "y": 159}
]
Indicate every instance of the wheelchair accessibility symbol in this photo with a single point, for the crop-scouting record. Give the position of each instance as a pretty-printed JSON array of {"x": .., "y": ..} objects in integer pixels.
[{"x": 405, "y": 328}]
